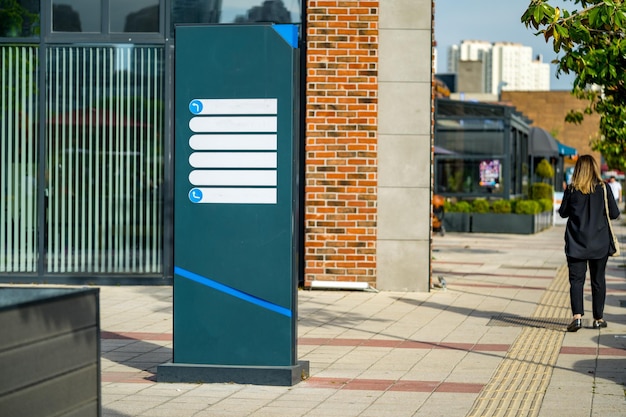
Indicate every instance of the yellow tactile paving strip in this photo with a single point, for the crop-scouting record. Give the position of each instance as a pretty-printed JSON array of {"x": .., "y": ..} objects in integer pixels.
[{"x": 520, "y": 382}]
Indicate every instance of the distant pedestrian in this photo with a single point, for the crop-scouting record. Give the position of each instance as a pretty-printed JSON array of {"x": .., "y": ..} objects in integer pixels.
[
  {"x": 587, "y": 238},
  {"x": 616, "y": 187}
]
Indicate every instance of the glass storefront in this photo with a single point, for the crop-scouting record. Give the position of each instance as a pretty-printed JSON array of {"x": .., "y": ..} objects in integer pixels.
[
  {"x": 84, "y": 142},
  {"x": 104, "y": 159},
  {"x": 19, "y": 161},
  {"x": 480, "y": 150}
]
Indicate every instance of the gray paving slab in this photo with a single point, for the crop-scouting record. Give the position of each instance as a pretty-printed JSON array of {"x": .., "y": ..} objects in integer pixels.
[
  {"x": 486, "y": 275},
  {"x": 452, "y": 350}
]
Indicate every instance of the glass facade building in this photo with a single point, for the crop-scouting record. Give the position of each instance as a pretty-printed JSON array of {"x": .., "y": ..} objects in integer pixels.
[
  {"x": 481, "y": 150},
  {"x": 86, "y": 126}
]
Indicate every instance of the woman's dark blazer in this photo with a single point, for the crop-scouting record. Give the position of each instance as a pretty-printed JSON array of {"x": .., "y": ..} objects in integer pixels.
[{"x": 587, "y": 234}]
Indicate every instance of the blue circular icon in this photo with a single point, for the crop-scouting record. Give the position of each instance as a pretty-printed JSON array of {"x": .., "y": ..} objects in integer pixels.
[
  {"x": 195, "y": 106},
  {"x": 195, "y": 195}
]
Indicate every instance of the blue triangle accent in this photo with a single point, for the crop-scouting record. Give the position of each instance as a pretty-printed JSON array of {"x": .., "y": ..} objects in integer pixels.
[{"x": 289, "y": 33}]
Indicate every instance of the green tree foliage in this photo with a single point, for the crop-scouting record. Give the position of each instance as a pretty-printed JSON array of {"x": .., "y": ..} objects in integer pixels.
[{"x": 591, "y": 42}]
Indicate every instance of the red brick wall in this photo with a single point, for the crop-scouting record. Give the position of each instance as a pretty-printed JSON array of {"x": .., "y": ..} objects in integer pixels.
[
  {"x": 341, "y": 141},
  {"x": 547, "y": 109}
]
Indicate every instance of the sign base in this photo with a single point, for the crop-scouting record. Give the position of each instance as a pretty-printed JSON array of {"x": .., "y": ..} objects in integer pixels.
[{"x": 254, "y": 375}]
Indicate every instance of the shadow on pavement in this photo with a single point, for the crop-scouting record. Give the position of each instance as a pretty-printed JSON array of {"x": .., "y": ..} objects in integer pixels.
[
  {"x": 134, "y": 354},
  {"x": 111, "y": 413}
]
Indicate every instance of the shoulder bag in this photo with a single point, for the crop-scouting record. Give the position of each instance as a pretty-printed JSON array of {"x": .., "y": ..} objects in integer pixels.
[{"x": 614, "y": 248}]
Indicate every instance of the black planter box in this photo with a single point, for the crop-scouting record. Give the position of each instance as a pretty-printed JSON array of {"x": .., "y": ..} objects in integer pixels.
[
  {"x": 510, "y": 223},
  {"x": 456, "y": 222},
  {"x": 49, "y": 352}
]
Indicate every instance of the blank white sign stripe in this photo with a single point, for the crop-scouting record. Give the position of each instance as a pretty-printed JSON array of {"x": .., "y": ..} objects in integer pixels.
[
  {"x": 235, "y": 124},
  {"x": 238, "y": 195},
  {"x": 239, "y": 106},
  {"x": 233, "y": 177},
  {"x": 233, "y": 160},
  {"x": 233, "y": 142}
]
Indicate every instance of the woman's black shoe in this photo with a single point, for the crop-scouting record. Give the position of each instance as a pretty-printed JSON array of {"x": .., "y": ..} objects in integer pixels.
[
  {"x": 598, "y": 324},
  {"x": 575, "y": 325}
]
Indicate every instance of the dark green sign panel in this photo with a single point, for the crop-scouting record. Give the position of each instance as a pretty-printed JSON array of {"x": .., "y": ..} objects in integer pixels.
[{"x": 235, "y": 278}]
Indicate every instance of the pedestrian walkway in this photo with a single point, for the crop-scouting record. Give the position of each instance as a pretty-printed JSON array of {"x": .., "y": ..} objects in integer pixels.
[{"x": 491, "y": 343}]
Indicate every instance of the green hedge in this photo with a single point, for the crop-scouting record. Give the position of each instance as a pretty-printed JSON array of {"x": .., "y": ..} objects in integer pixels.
[
  {"x": 546, "y": 204},
  {"x": 460, "y": 207},
  {"x": 480, "y": 205},
  {"x": 539, "y": 190},
  {"x": 501, "y": 206},
  {"x": 528, "y": 207}
]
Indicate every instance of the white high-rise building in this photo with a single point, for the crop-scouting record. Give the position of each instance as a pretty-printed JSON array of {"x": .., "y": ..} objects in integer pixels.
[
  {"x": 454, "y": 55},
  {"x": 541, "y": 73},
  {"x": 506, "y": 66},
  {"x": 467, "y": 51}
]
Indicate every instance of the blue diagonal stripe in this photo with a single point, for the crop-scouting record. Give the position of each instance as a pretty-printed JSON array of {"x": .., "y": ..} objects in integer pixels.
[{"x": 232, "y": 291}]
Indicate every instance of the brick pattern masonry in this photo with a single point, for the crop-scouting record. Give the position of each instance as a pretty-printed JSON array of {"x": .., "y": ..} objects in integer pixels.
[{"x": 341, "y": 141}]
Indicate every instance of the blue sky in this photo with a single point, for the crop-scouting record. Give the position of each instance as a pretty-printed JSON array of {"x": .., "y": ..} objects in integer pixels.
[{"x": 493, "y": 21}]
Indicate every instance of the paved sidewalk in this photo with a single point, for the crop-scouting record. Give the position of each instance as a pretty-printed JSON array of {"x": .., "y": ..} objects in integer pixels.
[{"x": 492, "y": 343}]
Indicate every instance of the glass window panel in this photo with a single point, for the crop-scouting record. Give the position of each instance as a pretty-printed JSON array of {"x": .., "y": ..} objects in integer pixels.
[
  {"x": 470, "y": 124},
  {"x": 19, "y": 132},
  {"x": 134, "y": 16},
  {"x": 462, "y": 176},
  {"x": 463, "y": 108},
  {"x": 472, "y": 142},
  {"x": 275, "y": 11},
  {"x": 76, "y": 16},
  {"x": 236, "y": 11},
  {"x": 519, "y": 162},
  {"x": 105, "y": 159},
  {"x": 19, "y": 18}
]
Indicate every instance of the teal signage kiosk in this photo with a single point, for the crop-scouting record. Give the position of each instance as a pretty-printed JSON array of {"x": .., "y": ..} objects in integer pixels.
[{"x": 236, "y": 165}]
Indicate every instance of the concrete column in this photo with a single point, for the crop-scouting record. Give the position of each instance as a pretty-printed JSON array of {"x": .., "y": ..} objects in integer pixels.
[{"x": 404, "y": 149}]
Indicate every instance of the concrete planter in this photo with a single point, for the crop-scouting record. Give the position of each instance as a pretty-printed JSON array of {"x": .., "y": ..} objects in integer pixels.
[
  {"x": 50, "y": 352},
  {"x": 457, "y": 222},
  {"x": 510, "y": 223}
]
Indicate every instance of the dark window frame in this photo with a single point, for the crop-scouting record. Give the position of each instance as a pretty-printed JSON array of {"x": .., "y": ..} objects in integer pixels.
[
  {"x": 46, "y": 39},
  {"x": 105, "y": 36}
]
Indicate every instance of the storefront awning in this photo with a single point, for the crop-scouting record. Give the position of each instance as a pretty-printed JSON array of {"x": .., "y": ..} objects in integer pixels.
[
  {"x": 542, "y": 143},
  {"x": 566, "y": 150}
]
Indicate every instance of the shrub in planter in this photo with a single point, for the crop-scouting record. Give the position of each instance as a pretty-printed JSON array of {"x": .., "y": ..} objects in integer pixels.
[
  {"x": 460, "y": 207},
  {"x": 546, "y": 204},
  {"x": 541, "y": 190},
  {"x": 480, "y": 205},
  {"x": 527, "y": 207},
  {"x": 501, "y": 206},
  {"x": 544, "y": 169}
]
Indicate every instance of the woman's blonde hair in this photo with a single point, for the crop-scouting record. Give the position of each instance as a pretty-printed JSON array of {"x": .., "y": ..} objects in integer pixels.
[{"x": 586, "y": 174}]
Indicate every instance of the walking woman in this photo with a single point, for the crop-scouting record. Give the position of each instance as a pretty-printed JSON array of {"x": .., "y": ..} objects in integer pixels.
[{"x": 587, "y": 238}]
